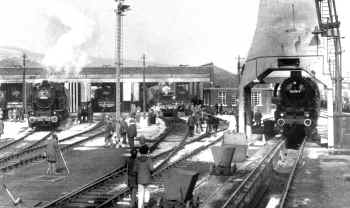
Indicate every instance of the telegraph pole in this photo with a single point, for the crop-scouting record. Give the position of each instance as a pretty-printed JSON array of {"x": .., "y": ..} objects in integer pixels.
[
  {"x": 24, "y": 56},
  {"x": 144, "y": 83},
  {"x": 118, "y": 61}
]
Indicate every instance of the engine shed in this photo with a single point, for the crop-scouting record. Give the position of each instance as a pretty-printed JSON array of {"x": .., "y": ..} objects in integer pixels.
[{"x": 179, "y": 84}]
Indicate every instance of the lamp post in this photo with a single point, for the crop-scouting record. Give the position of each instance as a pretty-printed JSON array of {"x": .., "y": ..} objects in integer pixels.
[
  {"x": 121, "y": 8},
  {"x": 24, "y": 56},
  {"x": 144, "y": 83}
]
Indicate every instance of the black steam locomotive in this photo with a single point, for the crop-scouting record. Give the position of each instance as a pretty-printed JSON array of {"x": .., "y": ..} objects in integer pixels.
[
  {"x": 103, "y": 97},
  {"x": 49, "y": 105},
  {"x": 298, "y": 108}
]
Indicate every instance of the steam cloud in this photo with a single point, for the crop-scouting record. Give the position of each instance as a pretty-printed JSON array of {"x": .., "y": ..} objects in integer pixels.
[{"x": 68, "y": 53}]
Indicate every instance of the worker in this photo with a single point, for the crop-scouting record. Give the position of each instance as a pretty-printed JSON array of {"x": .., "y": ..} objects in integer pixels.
[
  {"x": 132, "y": 133},
  {"x": 52, "y": 151},
  {"x": 132, "y": 177},
  {"x": 144, "y": 169},
  {"x": 109, "y": 132}
]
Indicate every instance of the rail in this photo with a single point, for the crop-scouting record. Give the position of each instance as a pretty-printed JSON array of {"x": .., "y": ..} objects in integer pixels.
[
  {"x": 291, "y": 176},
  {"x": 238, "y": 197}
]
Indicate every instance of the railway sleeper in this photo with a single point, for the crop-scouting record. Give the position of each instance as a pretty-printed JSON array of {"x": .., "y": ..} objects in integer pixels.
[
  {"x": 94, "y": 197},
  {"x": 80, "y": 205},
  {"x": 96, "y": 200}
]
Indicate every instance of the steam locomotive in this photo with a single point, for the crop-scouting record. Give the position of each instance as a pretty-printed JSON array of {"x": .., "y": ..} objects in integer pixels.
[
  {"x": 298, "y": 108},
  {"x": 103, "y": 97},
  {"x": 49, "y": 104}
]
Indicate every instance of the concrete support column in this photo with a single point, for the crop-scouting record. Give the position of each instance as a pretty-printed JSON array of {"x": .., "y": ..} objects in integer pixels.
[
  {"x": 73, "y": 97},
  {"x": 241, "y": 122},
  {"x": 330, "y": 118},
  {"x": 191, "y": 89},
  {"x": 174, "y": 83},
  {"x": 200, "y": 91},
  {"x": 85, "y": 91},
  {"x": 245, "y": 110}
]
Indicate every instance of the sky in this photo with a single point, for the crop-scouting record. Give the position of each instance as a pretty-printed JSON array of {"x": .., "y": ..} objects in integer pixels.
[{"x": 192, "y": 32}]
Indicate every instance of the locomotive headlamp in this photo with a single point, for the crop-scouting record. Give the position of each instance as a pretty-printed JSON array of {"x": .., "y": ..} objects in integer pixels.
[
  {"x": 307, "y": 122},
  {"x": 54, "y": 119},
  {"x": 31, "y": 119},
  {"x": 307, "y": 114},
  {"x": 281, "y": 114},
  {"x": 281, "y": 122}
]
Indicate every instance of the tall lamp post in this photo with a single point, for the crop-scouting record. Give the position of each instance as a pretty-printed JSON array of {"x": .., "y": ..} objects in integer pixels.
[
  {"x": 119, "y": 13},
  {"x": 24, "y": 56},
  {"x": 144, "y": 84}
]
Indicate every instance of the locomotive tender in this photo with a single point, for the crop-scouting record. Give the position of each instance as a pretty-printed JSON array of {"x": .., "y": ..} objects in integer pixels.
[
  {"x": 49, "y": 104},
  {"x": 298, "y": 108}
]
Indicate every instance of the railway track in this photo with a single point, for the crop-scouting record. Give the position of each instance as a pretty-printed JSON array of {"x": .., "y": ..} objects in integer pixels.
[
  {"x": 112, "y": 187},
  {"x": 161, "y": 172},
  {"x": 281, "y": 183},
  {"x": 4, "y": 148},
  {"x": 246, "y": 189},
  {"x": 35, "y": 152},
  {"x": 250, "y": 190}
]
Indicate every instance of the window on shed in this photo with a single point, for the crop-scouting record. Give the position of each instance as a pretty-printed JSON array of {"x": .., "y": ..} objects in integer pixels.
[
  {"x": 256, "y": 98},
  {"x": 234, "y": 100},
  {"x": 221, "y": 99}
]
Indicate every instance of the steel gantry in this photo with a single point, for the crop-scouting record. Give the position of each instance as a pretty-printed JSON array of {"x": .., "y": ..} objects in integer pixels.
[{"x": 329, "y": 25}]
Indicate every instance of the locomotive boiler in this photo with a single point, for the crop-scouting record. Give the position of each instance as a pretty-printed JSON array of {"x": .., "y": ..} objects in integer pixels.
[
  {"x": 49, "y": 105},
  {"x": 298, "y": 107}
]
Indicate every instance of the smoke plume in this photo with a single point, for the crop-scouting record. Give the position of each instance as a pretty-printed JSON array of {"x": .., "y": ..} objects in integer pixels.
[{"x": 68, "y": 54}]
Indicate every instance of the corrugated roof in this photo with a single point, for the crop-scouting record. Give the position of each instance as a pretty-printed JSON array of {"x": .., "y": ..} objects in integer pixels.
[
  {"x": 111, "y": 70},
  {"x": 19, "y": 71},
  {"x": 149, "y": 70}
]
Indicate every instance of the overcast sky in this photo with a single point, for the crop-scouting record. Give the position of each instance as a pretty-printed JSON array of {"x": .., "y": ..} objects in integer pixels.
[{"x": 174, "y": 32}]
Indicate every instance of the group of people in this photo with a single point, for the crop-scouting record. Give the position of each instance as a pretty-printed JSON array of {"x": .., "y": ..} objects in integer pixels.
[
  {"x": 127, "y": 132},
  {"x": 198, "y": 117},
  {"x": 85, "y": 113},
  {"x": 15, "y": 114}
]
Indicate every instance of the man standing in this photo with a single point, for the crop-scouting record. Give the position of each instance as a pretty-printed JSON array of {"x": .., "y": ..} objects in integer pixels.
[
  {"x": 132, "y": 177},
  {"x": 209, "y": 124},
  {"x": 198, "y": 122},
  {"x": 216, "y": 108},
  {"x": 132, "y": 133},
  {"x": 52, "y": 151},
  {"x": 123, "y": 129},
  {"x": 109, "y": 131},
  {"x": 215, "y": 125},
  {"x": 191, "y": 123},
  {"x": 144, "y": 168},
  {"x": 90, "y": 113},
  {"x": 257, "y": 118}
]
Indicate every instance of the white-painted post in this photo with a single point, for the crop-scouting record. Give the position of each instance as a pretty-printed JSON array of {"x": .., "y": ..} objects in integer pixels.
[
  {"x": 330, "y": 118},
  {"x": 241, "y": 123}
]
